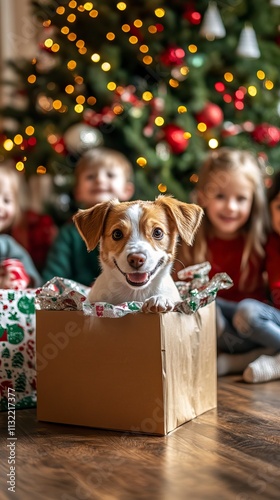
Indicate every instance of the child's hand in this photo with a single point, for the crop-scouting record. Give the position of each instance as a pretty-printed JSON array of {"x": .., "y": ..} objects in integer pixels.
[{"x": 13, "y": 275}]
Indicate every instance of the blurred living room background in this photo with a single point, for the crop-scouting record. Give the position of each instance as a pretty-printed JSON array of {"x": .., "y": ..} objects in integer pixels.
[{"x": 164, "y": 82}]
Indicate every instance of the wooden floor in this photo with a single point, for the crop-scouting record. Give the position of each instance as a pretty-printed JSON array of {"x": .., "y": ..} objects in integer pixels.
[{"x": 229, "y": 453}]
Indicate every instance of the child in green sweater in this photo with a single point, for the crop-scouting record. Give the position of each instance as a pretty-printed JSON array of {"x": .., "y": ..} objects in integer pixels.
[{"x": 100, "y": 175}]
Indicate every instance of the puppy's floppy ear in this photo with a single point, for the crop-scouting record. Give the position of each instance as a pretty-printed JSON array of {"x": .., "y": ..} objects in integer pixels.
[
  {"x": 90, "y": 222},
  {"x": 187, "y": 216}
]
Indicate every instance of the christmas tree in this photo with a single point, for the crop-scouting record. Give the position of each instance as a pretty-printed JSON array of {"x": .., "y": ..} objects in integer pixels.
[
  {"x": 20, "y": 383},
  {"x": 161, "y": 81}
]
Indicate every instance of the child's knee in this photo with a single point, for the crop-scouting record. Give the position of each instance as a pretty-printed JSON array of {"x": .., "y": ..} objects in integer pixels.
[{"x": 243, "y": 320}]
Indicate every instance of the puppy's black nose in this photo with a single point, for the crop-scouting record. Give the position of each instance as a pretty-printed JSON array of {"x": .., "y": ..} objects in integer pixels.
[{"x": 136, "y": 260}]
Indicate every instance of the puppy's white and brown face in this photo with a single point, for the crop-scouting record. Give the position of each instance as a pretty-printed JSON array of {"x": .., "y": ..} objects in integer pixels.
[{"x": 138, "y": 239}]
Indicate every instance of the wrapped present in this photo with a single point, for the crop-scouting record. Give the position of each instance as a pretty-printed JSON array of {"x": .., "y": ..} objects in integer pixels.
[
  {"x": 17, "y": 323},
  {"x": 13, "y": 274},
  {"x": 17, "y": 347},
  {"x": 145, "y": 373}
]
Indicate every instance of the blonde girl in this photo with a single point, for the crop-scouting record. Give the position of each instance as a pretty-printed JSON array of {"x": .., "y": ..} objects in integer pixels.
[
  {"x": 264, "y": 319},
  {"x": 232, "y": 236},
  {"x": 14, "y": 260},
  {"x": 10, "y": 198}
]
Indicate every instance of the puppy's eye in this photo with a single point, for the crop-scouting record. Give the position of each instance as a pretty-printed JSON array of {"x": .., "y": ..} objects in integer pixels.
[
  {"x": 157, "y": 233},
  {"x": 117, "y": 234}
]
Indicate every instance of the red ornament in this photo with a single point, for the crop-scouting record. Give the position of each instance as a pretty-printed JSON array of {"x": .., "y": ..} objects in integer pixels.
[
  {"x": 159, "y": 27},
  {"x": 212, "y": 115},
  {"x": 174, "y": 136},
  {"x": 192, "y": 16},
  {"x": 59, "y": 146},
  {"x": 266, "y": 134},
  {"x": 173, "y": 56}
]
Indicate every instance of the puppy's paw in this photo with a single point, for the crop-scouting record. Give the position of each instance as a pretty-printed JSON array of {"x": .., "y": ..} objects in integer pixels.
[{"x": 157, "y": 304}]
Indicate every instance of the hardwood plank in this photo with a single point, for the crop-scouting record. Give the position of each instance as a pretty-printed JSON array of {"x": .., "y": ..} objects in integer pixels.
[{"x": 231, "y": 453}]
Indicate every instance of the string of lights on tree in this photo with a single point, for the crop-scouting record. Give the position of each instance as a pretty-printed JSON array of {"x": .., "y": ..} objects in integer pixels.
[{"x": 162, "y": 81}]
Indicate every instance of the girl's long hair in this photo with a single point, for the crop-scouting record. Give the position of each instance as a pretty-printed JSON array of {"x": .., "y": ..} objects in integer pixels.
[
  {"x": 274, "y": 189},
  {"x": 212, "y": 174}
]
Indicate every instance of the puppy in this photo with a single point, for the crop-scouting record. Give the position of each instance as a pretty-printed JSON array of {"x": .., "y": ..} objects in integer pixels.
[{"x": 137, "y": 248}]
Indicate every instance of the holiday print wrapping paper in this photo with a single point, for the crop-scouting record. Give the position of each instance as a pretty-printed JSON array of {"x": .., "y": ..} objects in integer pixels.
[
  {"x": 65, "y": 294},
  {"x": 17, "y": 347}
]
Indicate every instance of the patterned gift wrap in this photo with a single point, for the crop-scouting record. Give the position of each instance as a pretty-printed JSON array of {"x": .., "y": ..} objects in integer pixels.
[
  {"x": 17, "y": 348},
  {"x": 60, "y": 294}
]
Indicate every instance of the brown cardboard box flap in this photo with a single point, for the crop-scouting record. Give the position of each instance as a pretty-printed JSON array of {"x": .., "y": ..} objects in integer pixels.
[{"x": 190, "y": 365}]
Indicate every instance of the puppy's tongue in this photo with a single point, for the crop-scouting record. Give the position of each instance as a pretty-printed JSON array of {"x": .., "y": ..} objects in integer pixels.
[{"x": 137, "y": 277}]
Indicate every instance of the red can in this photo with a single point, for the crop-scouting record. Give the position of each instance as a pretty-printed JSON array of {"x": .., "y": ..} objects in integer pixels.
[{"x": 13, "y": 275}]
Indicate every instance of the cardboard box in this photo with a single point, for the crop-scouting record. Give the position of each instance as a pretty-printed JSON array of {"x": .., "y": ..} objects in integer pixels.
[{"x": 145, "y": 373}]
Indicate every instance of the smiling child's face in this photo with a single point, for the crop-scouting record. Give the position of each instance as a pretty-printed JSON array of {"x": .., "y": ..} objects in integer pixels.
[
  {"x": 7, "y": 204},
  {"x": 102, "y": 183}
]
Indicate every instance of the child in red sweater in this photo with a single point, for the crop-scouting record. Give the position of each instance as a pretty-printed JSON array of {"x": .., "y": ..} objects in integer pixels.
[
  {"x": 261, "y": 317},
  {"x": 273, "y": 244},
  {"x": 232, "y": 238}
]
